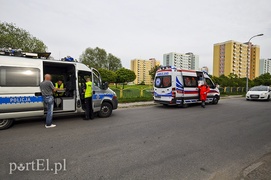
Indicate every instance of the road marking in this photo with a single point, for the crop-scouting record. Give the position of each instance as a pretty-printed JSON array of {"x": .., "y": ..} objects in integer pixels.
[{"x": 251, "y": 168}]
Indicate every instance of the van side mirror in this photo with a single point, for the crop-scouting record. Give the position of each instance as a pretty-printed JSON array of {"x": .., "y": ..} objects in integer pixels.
[{"x": 105, "y": 86}]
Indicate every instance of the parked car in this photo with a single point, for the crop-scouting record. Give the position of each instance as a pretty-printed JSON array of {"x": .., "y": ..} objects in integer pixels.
[{"x": 259, "y": 93}]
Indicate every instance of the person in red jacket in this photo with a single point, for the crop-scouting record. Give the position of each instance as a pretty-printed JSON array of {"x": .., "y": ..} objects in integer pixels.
[{"x": 203, "y": 91}]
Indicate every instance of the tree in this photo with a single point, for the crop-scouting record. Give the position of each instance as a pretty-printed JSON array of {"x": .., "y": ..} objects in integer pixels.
[
  {"x": 114, "y": 63},
  {"x": 107, "y": 75},
  {"x": 98, "y": 58},
  {"x": 153, "y": 71},
  {"x": 264, "y": 79},
  {"x": 18, "y": 38},
  {"x": 124, "y": 76}
]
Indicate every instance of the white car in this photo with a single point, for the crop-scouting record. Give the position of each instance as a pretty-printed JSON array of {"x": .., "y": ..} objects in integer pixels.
[{"x": 259, "y": 93}]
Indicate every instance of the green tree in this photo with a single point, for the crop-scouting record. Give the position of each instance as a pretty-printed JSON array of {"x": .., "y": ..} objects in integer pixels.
[
  {"x": 264, "y": 79},
  {"x": 95, "y": 58},
  {"x": 124, "y": 76},
  {"x": 107, "y": 75},
  {"x": 14, "y": 37},
  {"x": 98, "y": 58},
  {"x": 152, "y": 72},
  {"x": 114, "y": 63}
]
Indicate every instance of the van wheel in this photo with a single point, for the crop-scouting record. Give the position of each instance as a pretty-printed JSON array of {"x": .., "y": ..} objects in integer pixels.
[
  {"x": 215, "y": 100},
  {"x": 106, "y": 110},
  {"x": 6, "y": 123}
]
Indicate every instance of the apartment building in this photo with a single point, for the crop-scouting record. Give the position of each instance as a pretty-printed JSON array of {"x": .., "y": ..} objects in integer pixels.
[
  {"x": 232, "y": 57},
  {"x": 265, "y": 66},
  {"x": 182, "y": 61},
  {"x": 141, "y": 68}
]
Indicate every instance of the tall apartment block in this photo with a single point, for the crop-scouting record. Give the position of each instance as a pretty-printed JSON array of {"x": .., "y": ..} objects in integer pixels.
[
  {"x": 141, "y": 68},
  {"x": 182, "y": 61},
  {"x": 232, "y": 57},
  {"x": 265, "y": 66}
]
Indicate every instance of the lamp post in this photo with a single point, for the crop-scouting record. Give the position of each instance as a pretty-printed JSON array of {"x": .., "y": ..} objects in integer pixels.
[{"x": 248, "y": 57}]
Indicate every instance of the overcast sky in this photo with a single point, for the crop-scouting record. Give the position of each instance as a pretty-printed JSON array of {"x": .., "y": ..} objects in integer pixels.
[{"x": 141, "y": 28}]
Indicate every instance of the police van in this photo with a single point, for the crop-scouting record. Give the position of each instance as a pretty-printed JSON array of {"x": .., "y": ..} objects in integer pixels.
[
  {"x": 174, "y": 86},
  {"x": 20, "y": 95}
]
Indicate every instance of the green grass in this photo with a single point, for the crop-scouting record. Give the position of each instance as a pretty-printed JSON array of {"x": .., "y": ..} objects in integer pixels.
[{"x": 131, "y": 86}]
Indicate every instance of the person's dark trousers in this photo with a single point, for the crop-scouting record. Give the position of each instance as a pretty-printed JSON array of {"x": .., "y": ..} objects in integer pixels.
[
  {"x": 203, "y": 104},
  {"x": 89, "y": 111}
]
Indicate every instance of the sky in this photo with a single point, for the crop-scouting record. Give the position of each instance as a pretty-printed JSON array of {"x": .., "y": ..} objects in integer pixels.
[{"x": 141, "y": 28}]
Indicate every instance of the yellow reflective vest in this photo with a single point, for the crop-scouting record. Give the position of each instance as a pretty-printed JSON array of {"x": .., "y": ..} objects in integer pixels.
[
  {"x": 88, "y": 92},
  {"x": 61, "y": 87}
]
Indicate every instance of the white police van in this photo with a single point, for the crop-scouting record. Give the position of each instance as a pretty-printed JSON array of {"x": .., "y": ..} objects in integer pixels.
[
  {"x": 174, "y": 86},
  {"x": 20, "y": 95}
]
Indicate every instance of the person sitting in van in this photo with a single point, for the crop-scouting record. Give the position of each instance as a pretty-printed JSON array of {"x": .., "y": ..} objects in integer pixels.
[
  {"x": 203, "y": 89},
  {"x": 187, "y": 82},
  {"x": 59, "y": 85}
]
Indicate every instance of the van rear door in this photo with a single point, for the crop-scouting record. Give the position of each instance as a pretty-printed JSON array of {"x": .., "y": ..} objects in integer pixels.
[
  {"x": 19, "y": 92},
  {"x": 163, "y": 87}
]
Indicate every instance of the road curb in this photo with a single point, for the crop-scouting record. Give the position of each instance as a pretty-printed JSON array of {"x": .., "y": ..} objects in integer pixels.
[{"x": 151, "y": 103}]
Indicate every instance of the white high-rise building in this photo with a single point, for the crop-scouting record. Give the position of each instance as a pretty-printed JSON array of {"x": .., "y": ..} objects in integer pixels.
[
  {"x": 265, "y": 66},
  {"x": 182, "y": 61}
]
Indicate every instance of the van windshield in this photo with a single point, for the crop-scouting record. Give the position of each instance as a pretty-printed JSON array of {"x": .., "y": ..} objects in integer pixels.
[{"x": 162, "y": 81}]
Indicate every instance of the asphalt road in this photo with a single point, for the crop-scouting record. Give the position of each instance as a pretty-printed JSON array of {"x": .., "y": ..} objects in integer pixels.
[{"x": 153, "y": 142}]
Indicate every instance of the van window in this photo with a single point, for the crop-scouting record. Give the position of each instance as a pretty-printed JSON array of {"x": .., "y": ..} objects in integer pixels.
[
  {"x": 190, "y": 81},
  {"x": 19, "y": 76},
  {"x": 163, "y": 81},
  {"x": 209, "y": 82}
]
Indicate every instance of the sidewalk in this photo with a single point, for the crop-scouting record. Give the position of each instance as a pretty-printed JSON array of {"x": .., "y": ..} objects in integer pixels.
[
  {"x": 231, "y": 96},
  {"x": 260, "y": 169},
  {"x": 151, "y": 103},
  {"x": 136, "y": 104}
]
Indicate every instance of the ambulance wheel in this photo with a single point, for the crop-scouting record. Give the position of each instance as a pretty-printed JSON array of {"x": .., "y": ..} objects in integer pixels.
[
  {"x": 106, "y": 110},
  {"x": 6, "y": 123},
  {"x": 215, "y": 100}
]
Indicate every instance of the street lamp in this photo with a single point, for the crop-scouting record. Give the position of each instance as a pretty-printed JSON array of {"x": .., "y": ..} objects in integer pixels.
[{"x": 248, "y": 57}]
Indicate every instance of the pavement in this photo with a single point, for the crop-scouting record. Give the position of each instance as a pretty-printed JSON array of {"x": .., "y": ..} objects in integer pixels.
[{"x": 230, "y": 140}]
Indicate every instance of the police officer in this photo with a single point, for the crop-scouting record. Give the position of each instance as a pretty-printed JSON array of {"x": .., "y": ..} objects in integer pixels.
[
  {"x": 88, "y": 100},
  {"x": 59, "y": 85}
]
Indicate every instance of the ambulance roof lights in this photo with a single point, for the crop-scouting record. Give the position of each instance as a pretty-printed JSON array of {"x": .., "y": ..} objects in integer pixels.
[{"x": 167, "y": 67}]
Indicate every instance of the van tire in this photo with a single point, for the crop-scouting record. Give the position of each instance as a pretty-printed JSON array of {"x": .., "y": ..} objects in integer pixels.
[
  {"x": 106, "y": 110},
  {"x": 215, "y": 100},
  {"x": 6, "y": 123}
]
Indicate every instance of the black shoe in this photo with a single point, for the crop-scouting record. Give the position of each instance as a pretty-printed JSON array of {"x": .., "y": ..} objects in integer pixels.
[{"x": 86, "y": 119}]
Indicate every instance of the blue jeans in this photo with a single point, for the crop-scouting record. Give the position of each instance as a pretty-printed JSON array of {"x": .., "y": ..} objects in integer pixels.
[{"x": 49, "y": 102}]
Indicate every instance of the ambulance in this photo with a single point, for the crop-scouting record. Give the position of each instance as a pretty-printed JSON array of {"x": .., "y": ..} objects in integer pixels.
[
  {"x": 174, "y": 86},
  {"x": 20, "y": 95}
]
